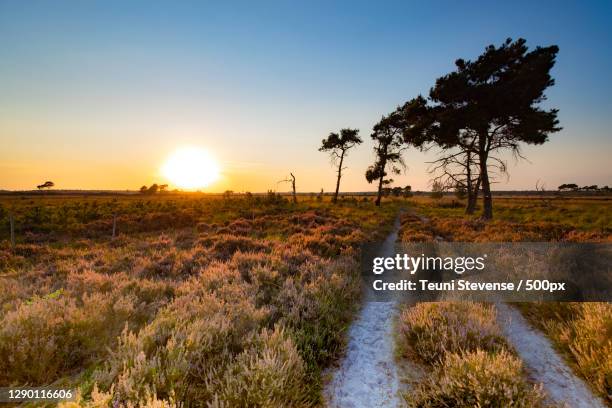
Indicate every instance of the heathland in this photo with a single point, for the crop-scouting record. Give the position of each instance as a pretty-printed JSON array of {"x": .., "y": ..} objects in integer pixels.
[
  {"x": 244, "y": 300},
  {"x": 235, "y": 301}
]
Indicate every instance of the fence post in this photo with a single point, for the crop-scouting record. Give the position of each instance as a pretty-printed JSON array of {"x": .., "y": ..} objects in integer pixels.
[
  {"x": 114, "y": 225},
  {"x": 12, "y": 222}
]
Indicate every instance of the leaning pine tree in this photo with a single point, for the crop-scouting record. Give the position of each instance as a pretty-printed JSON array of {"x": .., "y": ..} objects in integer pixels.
[
  {"x": 496, "y": 101},
  {"x": 387, "y": 134},
  {"x": 338, "y": 145}
]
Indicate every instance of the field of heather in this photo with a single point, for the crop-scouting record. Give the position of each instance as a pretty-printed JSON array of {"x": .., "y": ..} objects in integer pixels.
[
  {"x": 246, "y": 300},
  {"x": 463, "y": 342},
  {"x": 239, "y": 301}
]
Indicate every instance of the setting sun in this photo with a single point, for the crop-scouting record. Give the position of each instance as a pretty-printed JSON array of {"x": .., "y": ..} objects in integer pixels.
[{"x": 190, "y": 168}]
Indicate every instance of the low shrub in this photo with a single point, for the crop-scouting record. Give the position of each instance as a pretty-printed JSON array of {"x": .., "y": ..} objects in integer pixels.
[
  {"x": 270, "y": 373},
  {"x": 476, "y": 379},
  {"x": 46, "y": 338},
  {"x": 429, "y": 331}
]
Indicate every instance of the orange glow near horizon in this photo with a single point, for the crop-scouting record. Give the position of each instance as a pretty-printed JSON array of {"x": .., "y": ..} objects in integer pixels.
[{"x": 191, "y": 168}]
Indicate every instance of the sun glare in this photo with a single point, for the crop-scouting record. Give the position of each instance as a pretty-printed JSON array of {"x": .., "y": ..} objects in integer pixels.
[{"x": 191, "y": 168}]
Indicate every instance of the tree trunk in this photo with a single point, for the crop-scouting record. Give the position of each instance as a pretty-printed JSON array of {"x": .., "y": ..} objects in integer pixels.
[
  {"x": 339, "y": 176},
  {"x": 380, "y": 184},
  {"x": 12, "y": 223},
  {"x": 487, "y": 200},
  {"x": 469, "y": 208},
  {"x": 473, "y": 198},
  {"x": 293, "y": 187}
]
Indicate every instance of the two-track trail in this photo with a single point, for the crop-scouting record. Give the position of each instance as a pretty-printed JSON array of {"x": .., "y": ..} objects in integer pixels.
[
  {"x": 368, "y": 376},
  {"x": 543, "y": 363}
]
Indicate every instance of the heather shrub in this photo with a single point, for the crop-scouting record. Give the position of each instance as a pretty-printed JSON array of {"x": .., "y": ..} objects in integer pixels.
[
  {"x": 270, "y": 373},
  {"x": 317, "y": 306},
  {"x": 224, "y": 246},
  {"x": 476, "y": 379},
  {"x": 247, "y": 262},
  {"x": 583, "y": 331},
  {"x": 49, "y": 337},
  {"x": 160, "y": 264},
  {"x": 145, "y": 295},
  {"x": 101, "y": 399},
  {"x": 429, "y": 331},
  {"x": 413, "y": 229},
  {"x": 184, "y": 350}
]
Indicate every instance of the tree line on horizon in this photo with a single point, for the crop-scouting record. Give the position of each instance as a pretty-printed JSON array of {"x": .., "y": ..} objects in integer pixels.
[
  {"x": 575, "y": 187},
  {"x": 471, "y": 115}
]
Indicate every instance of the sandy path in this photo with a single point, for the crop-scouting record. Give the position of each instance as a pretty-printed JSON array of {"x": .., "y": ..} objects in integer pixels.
[
  {"x": 368, "y": 376},
  {"x": 543, "y": 363}
]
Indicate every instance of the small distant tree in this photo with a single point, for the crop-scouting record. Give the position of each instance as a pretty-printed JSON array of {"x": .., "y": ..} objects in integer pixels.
[
  {"x": 387, "y": 134},
  {"x": 338, "y": 145},
  {"x": 396, "y": 191},
  {"x": 407, "y": 192},
  {"x": 153, "y": 189},
  {"x": 272, "y": 197},
  {"x": 143, "y": 189},
  {"x": 320, "y": 196},
  {"x": 163, "y": 188},
  {"x": 227, "y": 194},
  {"x": 568, "y": 187},
  {"x": 437, "y": 190},
  {"x": 460, "y": 191},
  {"x": 46, "y": 184}
]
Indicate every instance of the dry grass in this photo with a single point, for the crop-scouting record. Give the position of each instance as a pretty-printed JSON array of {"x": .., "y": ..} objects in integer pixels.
[{"x": 238, "y": 302}]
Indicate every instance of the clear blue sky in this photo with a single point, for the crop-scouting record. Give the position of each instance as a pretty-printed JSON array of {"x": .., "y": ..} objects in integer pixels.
[{"x": 95, "y": 94}]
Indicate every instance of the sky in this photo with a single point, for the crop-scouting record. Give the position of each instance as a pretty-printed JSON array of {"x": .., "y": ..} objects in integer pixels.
[{"x": 97, "y": 94}]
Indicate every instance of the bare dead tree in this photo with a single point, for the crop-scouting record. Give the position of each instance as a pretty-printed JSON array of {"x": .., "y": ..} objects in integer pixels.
[
  {"x": 457, "y": 168},
  {"x": 459, "y": 165},
  {"x": 541, "y": 190},
  {"x": 291, "y": 179}
]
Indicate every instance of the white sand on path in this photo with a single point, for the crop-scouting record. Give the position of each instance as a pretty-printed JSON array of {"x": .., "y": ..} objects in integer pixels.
[
  {"x": 543, "y": 363},
  {"x": 368, "y": 375}
]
